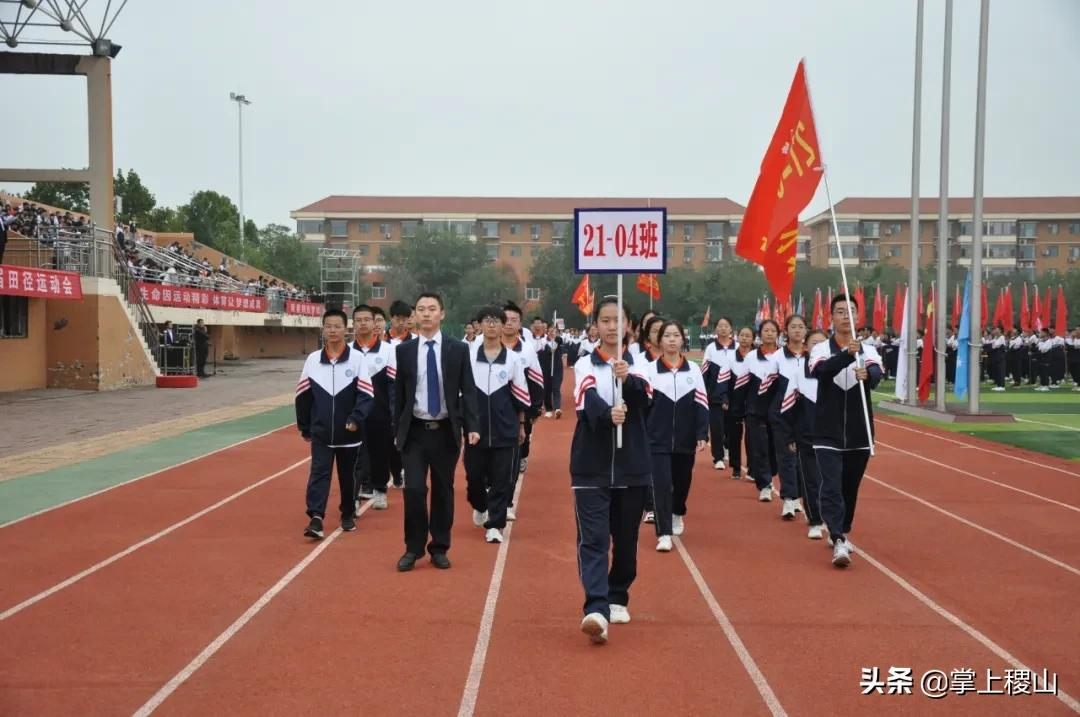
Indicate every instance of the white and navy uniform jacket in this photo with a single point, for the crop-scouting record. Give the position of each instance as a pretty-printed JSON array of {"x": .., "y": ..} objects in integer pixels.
[
  {"x": 679, "y": 416},
  {"x": 784, "y": 408},
  {"x": 838, "y": 419},
  {"x": 533, "y": 374},
  {"x": 381, "y": 361},
  {"x": 739, "y": 383},
  {"x": 595, "y": 462},
  {"x": 501, "y": 393},
  {"x": 762, "y": 372},
  {"x": 716, "y": 370},
  {"x": 1050, "y": 344},
  {"x": 586, "y": 347},
  {"x": 329, "y": 394},
  {"x": 806, "y": 386},
  {"x": 394, "y": 340},
  {"x": 995, "y": 349}
]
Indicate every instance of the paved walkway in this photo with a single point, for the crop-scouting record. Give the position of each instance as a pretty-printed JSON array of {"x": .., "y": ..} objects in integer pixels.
[{"x": 45, "y": 429}]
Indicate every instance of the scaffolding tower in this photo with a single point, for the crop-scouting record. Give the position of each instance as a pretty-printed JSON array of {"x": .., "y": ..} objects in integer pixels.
[{"x": 340, "y": 277}]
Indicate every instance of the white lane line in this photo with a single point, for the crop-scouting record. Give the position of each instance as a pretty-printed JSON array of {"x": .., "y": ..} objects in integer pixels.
[
  {"x": 483, "y": 638},
  {"x": 973, "y": 632},
  {"x": 139, "y": 478},
  {"x": 1044, "y": 423},
  {"x": 751, "y": 667},
  {"x": 982, "y": 478},
  {"x": 976, "y": 526},
  {"x": 192, "y": 667},
  {"x": 977, "y": 448},
  {"x": 141, "y": 544}
]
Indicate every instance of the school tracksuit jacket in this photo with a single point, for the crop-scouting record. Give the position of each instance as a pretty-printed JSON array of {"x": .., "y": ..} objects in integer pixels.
[
  {"x": 716, "y": 370},
  {"x": 762, "y": 370},
  {"x": 373, "y": 462}
]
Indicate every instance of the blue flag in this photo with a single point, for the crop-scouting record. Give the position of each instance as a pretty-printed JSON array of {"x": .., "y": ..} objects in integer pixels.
[{"x": 963, "y": 343}]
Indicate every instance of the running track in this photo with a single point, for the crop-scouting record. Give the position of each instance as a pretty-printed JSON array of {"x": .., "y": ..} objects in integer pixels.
[{"x": 193, "y": 588}]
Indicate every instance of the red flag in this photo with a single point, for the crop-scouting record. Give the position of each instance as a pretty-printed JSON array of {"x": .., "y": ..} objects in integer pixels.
[
  {"x": 898, "y": 311},
  {"x": 818, "y": 319},
  {"x": 766, "y": 310},
  {"x": 581, "y": 293},
  {"x": 956, "y": 309},
  {"x": 1062, "y": 318},
  {"x": 1008, "y": 308},
  {"x": 1036, "y": 311},
  {"x": 826, "y": 310},
  {"x": 926, "y": 373},
  {"x": 860, "y": 315},
  {"x": 789, "y": 176},
  {"x": 649, "y": 284},
  {"x": 1025, "y": 311},
  {"x": 589, "y": 303},
  {"x": 984, "y": 318},
  {"x": 780, "y": 313},
  {"x": 708, "y": 313},
  {"x": 1046, "y": 310},
  {"x": 879, "y": 311},
  {"x": 919, "y": 313},
  {"x": 999, "y": 310}
]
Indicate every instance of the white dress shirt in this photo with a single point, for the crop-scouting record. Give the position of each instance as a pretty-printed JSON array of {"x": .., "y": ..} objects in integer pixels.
[{"x": 420, "y": 405}]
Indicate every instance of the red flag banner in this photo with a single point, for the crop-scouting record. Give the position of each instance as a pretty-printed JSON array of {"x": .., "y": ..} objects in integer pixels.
[
  {"x": 818, "y": 319},
  {"x": 708, "y": 314},
  {"x": 649, "y": 284},
  {"x": 1008, "y": 308},
  {"x": 1025, "y": 311},
  {"x": 956, "y": 305},
  {"x": 898, "y": 311},
  {"x": 860, "y": 315},
  {"x": 789, "y": 176},
  {"x": 926, "y": 371},
  {"x": 581, "y": 296},
  {"x": 1046, "y": 309},
  {"x": 193, "y": 298},
  {"x": 40, "y": 283},
  {"x": 1036, "y": 312},
  {"x": 1062, "y": 318},
  {"x": 826, "y": 310},
  {"x": 985, "y": 318},
  {"x": 919, "y": 313},
  {"x": 879, "y": 311}
]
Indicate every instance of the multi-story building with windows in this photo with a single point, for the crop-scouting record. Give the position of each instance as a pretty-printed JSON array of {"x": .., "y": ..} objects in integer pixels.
[{"x": 1032, "y": 235}]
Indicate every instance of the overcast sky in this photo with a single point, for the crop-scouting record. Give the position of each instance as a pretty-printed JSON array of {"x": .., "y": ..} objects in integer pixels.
[{"x": 559, "y": 97}]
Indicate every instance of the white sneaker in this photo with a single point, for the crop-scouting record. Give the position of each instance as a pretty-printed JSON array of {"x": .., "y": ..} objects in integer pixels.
[
  {"x": 765, "y": 495},
  {"x": 797, "y": 505},
  {"x": 787, "y": 512},
  {"x": 511, "y": 514},
  {"x": 493, "y": 535},
  {"x": 998, "y": 388},
  {"x": 650, "y": 517},
  {"x": 547, "y": 415},
  {"x": 356, "y": 507},
  {"x": 719, "y": 465},
  {"x": 663, "y": 544},
  {"x": 815, "y": 532},
  {"x": 478, "y": 518},
  {"x": 677, "y": 526},
  {"x": 619, "y": 614},
  {"x": 366, "y": 494},
  {"x": 595, "y": 626},
  {"x": 379, "y": 500},
  {"x": 522, "y": 466},
  {"x": 841, "y": 556}
]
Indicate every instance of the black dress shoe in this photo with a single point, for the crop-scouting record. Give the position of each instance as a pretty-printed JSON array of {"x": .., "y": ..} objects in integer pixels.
[
  {"x": 406, "y": 563},
  {"x": 440, "y": 561}
]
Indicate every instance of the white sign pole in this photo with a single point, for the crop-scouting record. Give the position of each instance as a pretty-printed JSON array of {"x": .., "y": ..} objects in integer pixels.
[{"x": 619, "y": 356}]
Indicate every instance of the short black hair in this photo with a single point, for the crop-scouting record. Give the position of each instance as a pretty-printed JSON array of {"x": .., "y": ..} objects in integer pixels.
[
  {"x": 606, "y": 301},
  {"x": 725, "y": 318},
  {"x": 427, "y": 295},
  {"x": 538, "y": 318},
  {"x": 812, "y": 332},
  {"x": 511, "y": 306},
  {"x": 363, "y": 307},
  {"x": 334, "y": 311},
  {"x": 789, "y": 319},
  {"x": 400, "y": 308},
  {"x": 768, "y": 321},
  {"x": 377, "y": 311},
  {"x": 491, "y": 311},
  {"x": 842, "y": 297}
]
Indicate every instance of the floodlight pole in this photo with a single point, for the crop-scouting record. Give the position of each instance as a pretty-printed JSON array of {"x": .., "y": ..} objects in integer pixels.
[{"x": 240, "y": 101}]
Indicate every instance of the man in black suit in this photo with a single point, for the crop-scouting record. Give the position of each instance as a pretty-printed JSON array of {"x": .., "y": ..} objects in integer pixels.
[
  {"x": 435, "y": 404},
  {"x": 202, "y": 347}
]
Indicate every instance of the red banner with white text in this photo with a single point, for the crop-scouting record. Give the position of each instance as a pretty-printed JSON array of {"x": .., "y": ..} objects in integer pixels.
[
  {"x": 40, "y": 283},
  {"x": 191, "y": 298},
  {"x": 304, "y": 308}
]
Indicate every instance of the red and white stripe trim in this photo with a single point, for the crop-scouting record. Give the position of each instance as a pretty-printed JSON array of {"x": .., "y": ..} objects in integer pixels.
[
  {"x": 304, "y": 385},
  {"x": 766, "y": 382},
  {"x": 586, "y": 383},
  {"x": 705, "y": 366},
  {"x": 724, "y": 375},
  {"x": 391, "y": 372},
  {"x": 535, "y": 376},
  {"x": 741, "y": 380},
  {"x": 700, "y": 397},
  {"x": 365, "y": 386},
  {"x": 521, "y": 394},
  {"x": 789, "y": 401}
]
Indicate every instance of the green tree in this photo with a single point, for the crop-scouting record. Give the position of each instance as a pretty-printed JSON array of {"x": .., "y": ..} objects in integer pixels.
[
  {"x": 286, "y": 255},
  {"x": 164, "y": 219},
  {"x": 432, "y": 261},
  {"x": 483, "y": 285},
  {"x": 213, "y": 219},
  {"x": 73, "y": 196},
  {"x": 136, "y": 201}
]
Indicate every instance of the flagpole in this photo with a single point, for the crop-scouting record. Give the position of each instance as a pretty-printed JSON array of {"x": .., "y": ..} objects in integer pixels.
[
  {"x": 916, "y": 225},
  {"x": 977, "y": 213},
  {"x": 943, "y": 208},
  {"x": 619, "y": 355},
  {"x": 847, "y": 292}
]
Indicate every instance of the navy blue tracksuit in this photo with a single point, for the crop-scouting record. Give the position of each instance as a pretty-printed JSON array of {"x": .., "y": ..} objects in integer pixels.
[
  {"x": 609, "y": 483},
  {"x": 759, "y": 441},
  {"x": 678, "y": 419},
  {"x": 502, "y": 394}
]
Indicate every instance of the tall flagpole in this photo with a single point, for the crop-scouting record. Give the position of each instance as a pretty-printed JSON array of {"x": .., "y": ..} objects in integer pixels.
[
  {"x": 847, "y": 292},
  {"x": 943, "y": 214},
  {"x": 975, "y": 349},
  {"x": 913, "y": 270}
]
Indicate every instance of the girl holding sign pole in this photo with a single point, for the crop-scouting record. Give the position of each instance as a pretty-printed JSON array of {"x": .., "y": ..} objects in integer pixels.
[
  {"x": 678, "y": 425},
  {"x": 609, "y": 483}
]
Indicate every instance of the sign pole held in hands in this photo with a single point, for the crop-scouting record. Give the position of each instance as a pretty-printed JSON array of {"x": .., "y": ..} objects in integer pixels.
[{"x": 620, "y": 241}]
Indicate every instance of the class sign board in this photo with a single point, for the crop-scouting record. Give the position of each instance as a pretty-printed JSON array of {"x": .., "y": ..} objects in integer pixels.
[{"x": 620, "y": 241}]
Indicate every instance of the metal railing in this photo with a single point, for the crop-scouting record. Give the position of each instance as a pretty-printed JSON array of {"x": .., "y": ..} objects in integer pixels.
[{"x": 129, "y": 289}]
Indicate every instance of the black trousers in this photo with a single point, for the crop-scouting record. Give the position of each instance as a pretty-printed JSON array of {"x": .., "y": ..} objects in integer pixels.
[
  {"x": 997, "y": 371},
  {"x": 200, "y": 360},
  {"x": 733, "y": 427},
  {"x": 396, "y": 464},
  {"x": 788, "y": 463},
  {"x": 425, "y": 451},
  {"x": 521, "y": 451},
  {"x": 672, "y": 473},
  {"x": 841, "y": 474},
  {"x": 489, "y": 475},
  {"x": 717, "y": 434},
  {"x": 607, "y": 518},
  {"x": 809, "y": 481},
  {"x": 323, "y": 458},
  {"x": 3, "y": 244},
  {"x": 552, "y": 384},
  {"x": 758, "y": 451},
  {"x": 379, "y": 446}
]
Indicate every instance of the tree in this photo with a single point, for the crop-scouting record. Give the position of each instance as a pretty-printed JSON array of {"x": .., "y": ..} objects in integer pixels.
[
  {"x": 432, "y": 261},
  {"x": 72, "y": 196},
  {"x": 286, "y": 255},
  {"x": 213, "y": 219},
  {"x": 483, "y": 285},
  {"x": 164, "y": 219},
  {"x": 136, "y": 201}
]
